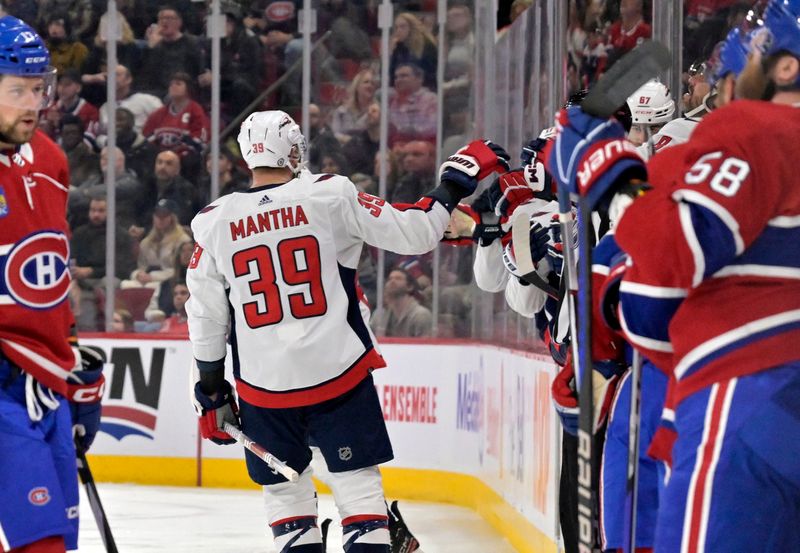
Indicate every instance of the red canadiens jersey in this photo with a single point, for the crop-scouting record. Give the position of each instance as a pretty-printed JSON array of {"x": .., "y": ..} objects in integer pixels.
[
  {"x": 177, "y": 131},
  {"x": 35, "y": 318},
  {"x": 713, "y": 290}
]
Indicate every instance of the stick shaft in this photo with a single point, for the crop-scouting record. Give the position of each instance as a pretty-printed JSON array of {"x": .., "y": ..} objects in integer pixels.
[
  {"x": 94, "y": 502},
  {"x": 634, "y": 425},
  {"x": 273, "y": 462}
]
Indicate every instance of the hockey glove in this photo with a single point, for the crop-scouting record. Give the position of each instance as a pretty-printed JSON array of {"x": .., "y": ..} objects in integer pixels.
[
  {"x": 214, "y": 412},
  {"x": 604, "y": 383},
  {"x": 555, "y": 248},
  {"x": 509, "y": 191},
  {"x": 591, "y": 157},
  {"x": 85, "y": 390},
  {"x": 403, "y": 541},
  {"x": 565, "y": 399},
  {"x": 472, "y": 163}
]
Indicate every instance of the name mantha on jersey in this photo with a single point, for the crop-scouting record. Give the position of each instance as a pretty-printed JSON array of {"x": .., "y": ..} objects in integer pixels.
[
  {"x": 275, "y": 272},
  {"x": 35, "y": 318}
]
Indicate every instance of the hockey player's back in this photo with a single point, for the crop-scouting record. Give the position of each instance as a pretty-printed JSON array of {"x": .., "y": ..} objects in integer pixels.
[{"x": 289, "y": 254}]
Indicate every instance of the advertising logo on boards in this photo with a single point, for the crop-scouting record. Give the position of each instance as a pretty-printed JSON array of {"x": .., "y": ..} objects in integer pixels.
[{"x": 131, "y": 411}]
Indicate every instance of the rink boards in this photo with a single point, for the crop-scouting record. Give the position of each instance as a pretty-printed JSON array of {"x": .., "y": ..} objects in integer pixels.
[{"x": 471, "y": 424}]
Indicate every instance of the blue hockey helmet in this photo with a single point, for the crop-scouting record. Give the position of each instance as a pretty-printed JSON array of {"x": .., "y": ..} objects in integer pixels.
[
  {"x": 731, "y": 55},
  {"x": 781, "y": 28},
  {"x": 23, "y": 54}
]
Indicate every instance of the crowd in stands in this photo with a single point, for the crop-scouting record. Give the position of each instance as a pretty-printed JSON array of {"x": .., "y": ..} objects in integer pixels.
[{"x": 163, "y": 83}]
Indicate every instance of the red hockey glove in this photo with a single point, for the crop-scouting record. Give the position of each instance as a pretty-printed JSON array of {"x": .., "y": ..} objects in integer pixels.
[
  {"x": 509, "y": 191},
  {"x": 472, "y": 163},
  {"x": 565, "y": 399},
  {"x": 215, "y": 412},
  {"x": 85, "y": 390}
]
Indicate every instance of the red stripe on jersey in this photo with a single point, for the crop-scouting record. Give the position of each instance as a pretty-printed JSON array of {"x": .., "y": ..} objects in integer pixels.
[
  {"x": 325, "y": 177},
  {"x": 425, "y": 203},
  {"x": 343, "y": 383},
  {"x": 697, "y": 516}
]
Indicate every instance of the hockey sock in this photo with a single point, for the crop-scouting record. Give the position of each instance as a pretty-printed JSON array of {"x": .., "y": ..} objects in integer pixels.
[
  {"x": 298, "y": 535},
  {"x": 366, "y": 534}
]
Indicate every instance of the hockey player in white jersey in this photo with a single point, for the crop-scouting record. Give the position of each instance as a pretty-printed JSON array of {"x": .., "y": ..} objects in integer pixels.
[
  {"x": 274, "y": 273},
  {"x": 651, "y": 107}
]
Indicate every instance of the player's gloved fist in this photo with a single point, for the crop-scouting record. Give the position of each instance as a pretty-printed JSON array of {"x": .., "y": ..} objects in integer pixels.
[
  {"x": 508, "y": 191},
  {"x": 565, "y": 399},
  {"x": 215, "y": 411},
  {"x": 590, "y": 156},
  {"x": 609, "y": 292},
  {"x": 472, "y": 163},
  {"x": 604, "y": 383},
  {"x": 85, "y": 390}
]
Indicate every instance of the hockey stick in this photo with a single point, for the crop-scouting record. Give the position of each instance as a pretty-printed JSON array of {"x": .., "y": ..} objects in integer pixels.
[
  {"x": 521, "y": 238},
  {"x": 612, "y": 90},
  {"x": 634, "y": 426},
  {"x": 272, "y": 462},
  {"x": 94, "y": 500}
]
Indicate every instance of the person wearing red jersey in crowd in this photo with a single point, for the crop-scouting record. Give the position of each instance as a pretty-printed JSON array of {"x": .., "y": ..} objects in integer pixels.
[
  {"x": 49, "y": 388},
  {"x": 181, "y": 125},
  {"x": 630, "y": 30}
]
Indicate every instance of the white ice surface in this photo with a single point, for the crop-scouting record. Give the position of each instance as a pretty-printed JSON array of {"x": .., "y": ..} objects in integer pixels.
[{"x": 151, "y": 519}]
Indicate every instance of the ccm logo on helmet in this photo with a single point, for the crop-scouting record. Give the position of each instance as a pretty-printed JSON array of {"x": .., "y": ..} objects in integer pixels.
[
  {"x": 602, "y": 156},
  {"x": 37, "y": 270}
]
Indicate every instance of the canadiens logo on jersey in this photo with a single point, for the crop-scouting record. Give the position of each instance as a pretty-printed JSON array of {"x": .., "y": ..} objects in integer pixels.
[
  {"x": 35, "y": 270},
  {"x": 3, "y": 203}
]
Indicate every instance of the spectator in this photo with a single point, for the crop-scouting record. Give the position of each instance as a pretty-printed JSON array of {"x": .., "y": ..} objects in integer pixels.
[
  {"x": 240, "y": 66},
  {"x": 231, "y": 178},
  {"x": 321, "y": 139},
  {"x": 576, "y": 35},
  {"x": 360, "y": 150},
  {"x": 130, "y": 193},
  {"x": 157, "y": 250},
  {"x": 182, "y": 258},
  {"x": 630, "y": 30},
  {"x": 84, "y": 163},
  {"x": 88, "y": 250},
  {"x": 65, "y": 51},
  {"x": 122, "y": 321},
  {"x": 140, "y": 104},
  {"x": 170, "y": 51},
  {"x": 178, "y": 323},
  {"x": 419, "y": 173},
  {"x": 460, "y": 48},
  {"x": 335, "y": 164},
  {"x": 402, "y": 315},
  {"x": 412, "y": 107},
  {"x": 77, "y": 15},
  {"x": 70, "y": 102},
  {"x": 168, "y": 184},
  {"x": 181, "y": 126},
  {"x": 346, "y": 22},
  {"x": 351, "y": 116},
  {"x": 140, "y": 154},
  {"x": 95, "y": 69},
  {"x": 412, "y": 43}
]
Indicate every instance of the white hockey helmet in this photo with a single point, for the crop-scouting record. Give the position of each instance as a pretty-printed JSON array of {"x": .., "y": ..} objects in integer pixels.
[
  {"x": 272, "y": 139},
  {"x": 651, "y": 104}
]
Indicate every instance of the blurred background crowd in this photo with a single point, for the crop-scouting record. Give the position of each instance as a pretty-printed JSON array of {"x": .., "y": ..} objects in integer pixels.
[{"x": 433, "y": 98}]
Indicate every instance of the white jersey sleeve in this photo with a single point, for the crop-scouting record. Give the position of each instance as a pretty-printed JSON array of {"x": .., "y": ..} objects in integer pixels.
[
  {"x": 275, "y": 273},
  {"x": 673, "y": 133},
  {"x": 525, "y": 300},
  {"x": 490, "y": 273},
  {"x": 208, "y": 307}
]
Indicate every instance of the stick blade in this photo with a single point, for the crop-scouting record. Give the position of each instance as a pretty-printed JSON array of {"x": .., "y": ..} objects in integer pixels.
[{"x": 635, "y": 68}]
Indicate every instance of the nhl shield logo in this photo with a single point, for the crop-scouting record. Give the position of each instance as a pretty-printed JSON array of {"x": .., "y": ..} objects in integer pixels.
[{"x": 345, "y": 453}]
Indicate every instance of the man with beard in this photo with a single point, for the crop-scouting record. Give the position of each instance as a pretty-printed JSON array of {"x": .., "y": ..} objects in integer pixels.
[{"x": 48, "y": 387}]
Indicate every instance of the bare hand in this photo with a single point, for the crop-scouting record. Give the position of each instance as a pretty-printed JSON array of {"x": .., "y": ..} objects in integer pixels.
[
  {"x": 153, "y": 35},
  {"x": 143, "y": 277},
  {"x": 136, "y": 232},
  {"x": 205, "y": 78},
  {"x": 81, "y": 273}
]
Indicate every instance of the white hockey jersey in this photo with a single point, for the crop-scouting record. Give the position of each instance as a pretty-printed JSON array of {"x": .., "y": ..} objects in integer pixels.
[
  {"x": 673, "y": 133},
  {"x": 275, "y": 270}
]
